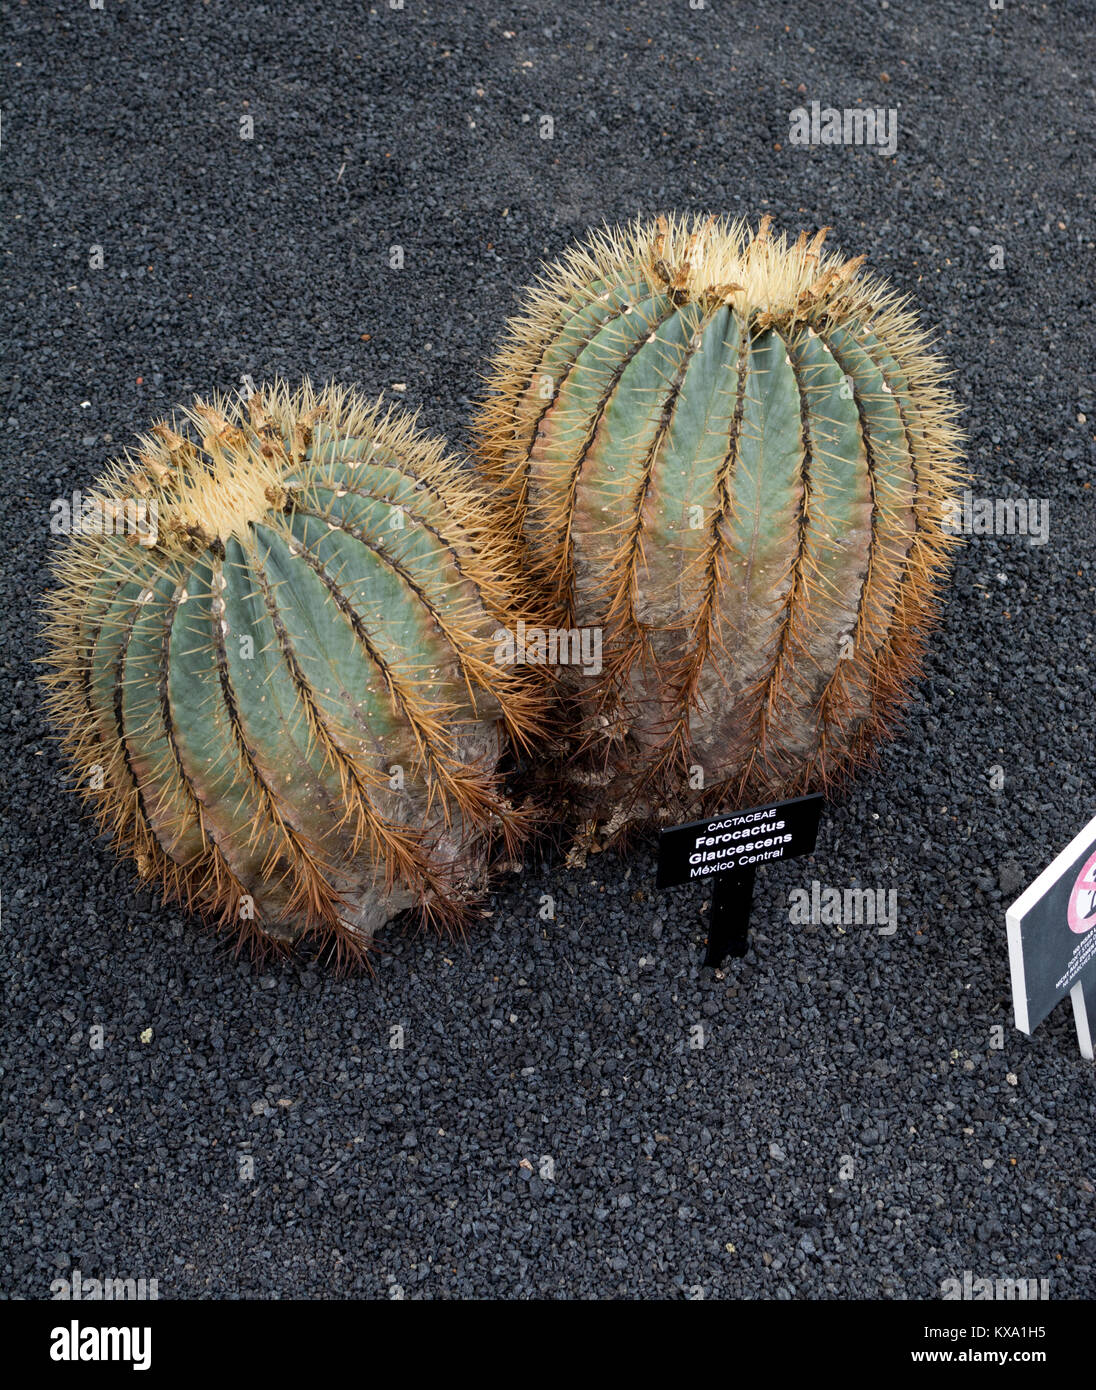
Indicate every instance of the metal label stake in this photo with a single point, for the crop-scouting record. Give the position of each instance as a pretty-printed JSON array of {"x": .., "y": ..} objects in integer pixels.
[{"x": 729, "y": 928}]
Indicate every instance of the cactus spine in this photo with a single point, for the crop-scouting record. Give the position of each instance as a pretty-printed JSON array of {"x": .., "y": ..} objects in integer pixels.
[
  {"x": 283, "y": 704},
  {"x": 734, "y": 456}
]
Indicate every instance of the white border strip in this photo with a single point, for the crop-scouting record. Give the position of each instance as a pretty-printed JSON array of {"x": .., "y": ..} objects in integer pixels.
[{"x": 1082, "y": 1020}]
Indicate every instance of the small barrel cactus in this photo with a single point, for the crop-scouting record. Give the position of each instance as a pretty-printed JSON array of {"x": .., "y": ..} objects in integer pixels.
[
  {"x": 280, "y": 694},
  {"x": 732, "y": 457}
]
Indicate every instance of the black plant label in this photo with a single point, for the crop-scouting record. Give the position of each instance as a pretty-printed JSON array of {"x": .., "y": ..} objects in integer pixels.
[{"x": 737, "y": 840}]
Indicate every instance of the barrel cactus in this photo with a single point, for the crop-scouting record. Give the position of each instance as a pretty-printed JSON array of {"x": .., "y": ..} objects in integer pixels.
[
  {"x": 281, "y": 698},
  {"x": 732, "y": 457}
]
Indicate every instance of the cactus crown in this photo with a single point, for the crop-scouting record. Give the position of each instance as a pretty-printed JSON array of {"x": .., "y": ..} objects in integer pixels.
[
  {"x": 768, "y": 281},
  {"x": 733, "y": 454},
  {"x": 317, "y": 603}
]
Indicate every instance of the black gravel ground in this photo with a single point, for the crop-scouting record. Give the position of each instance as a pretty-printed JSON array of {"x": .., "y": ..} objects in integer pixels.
[{"x": 550, "y": 1125}]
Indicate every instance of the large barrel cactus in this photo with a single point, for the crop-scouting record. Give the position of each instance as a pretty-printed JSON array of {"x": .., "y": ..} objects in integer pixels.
[
  {"x": 280, "y": 693},
  {"x": 731, "y": 458}
]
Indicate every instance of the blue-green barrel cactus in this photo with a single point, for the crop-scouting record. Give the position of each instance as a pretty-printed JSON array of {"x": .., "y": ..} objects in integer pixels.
[
  {"x": 279, "y": 691},
  {"x": 732, "y": 459}
]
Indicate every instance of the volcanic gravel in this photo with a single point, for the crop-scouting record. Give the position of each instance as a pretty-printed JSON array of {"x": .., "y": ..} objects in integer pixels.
[{"x": 578, "y": 1108}]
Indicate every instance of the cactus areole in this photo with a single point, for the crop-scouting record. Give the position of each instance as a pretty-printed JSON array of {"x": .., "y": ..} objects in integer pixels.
[
  {"x": 733, "y": 456},
  {"x": 281, "y": 701}
]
